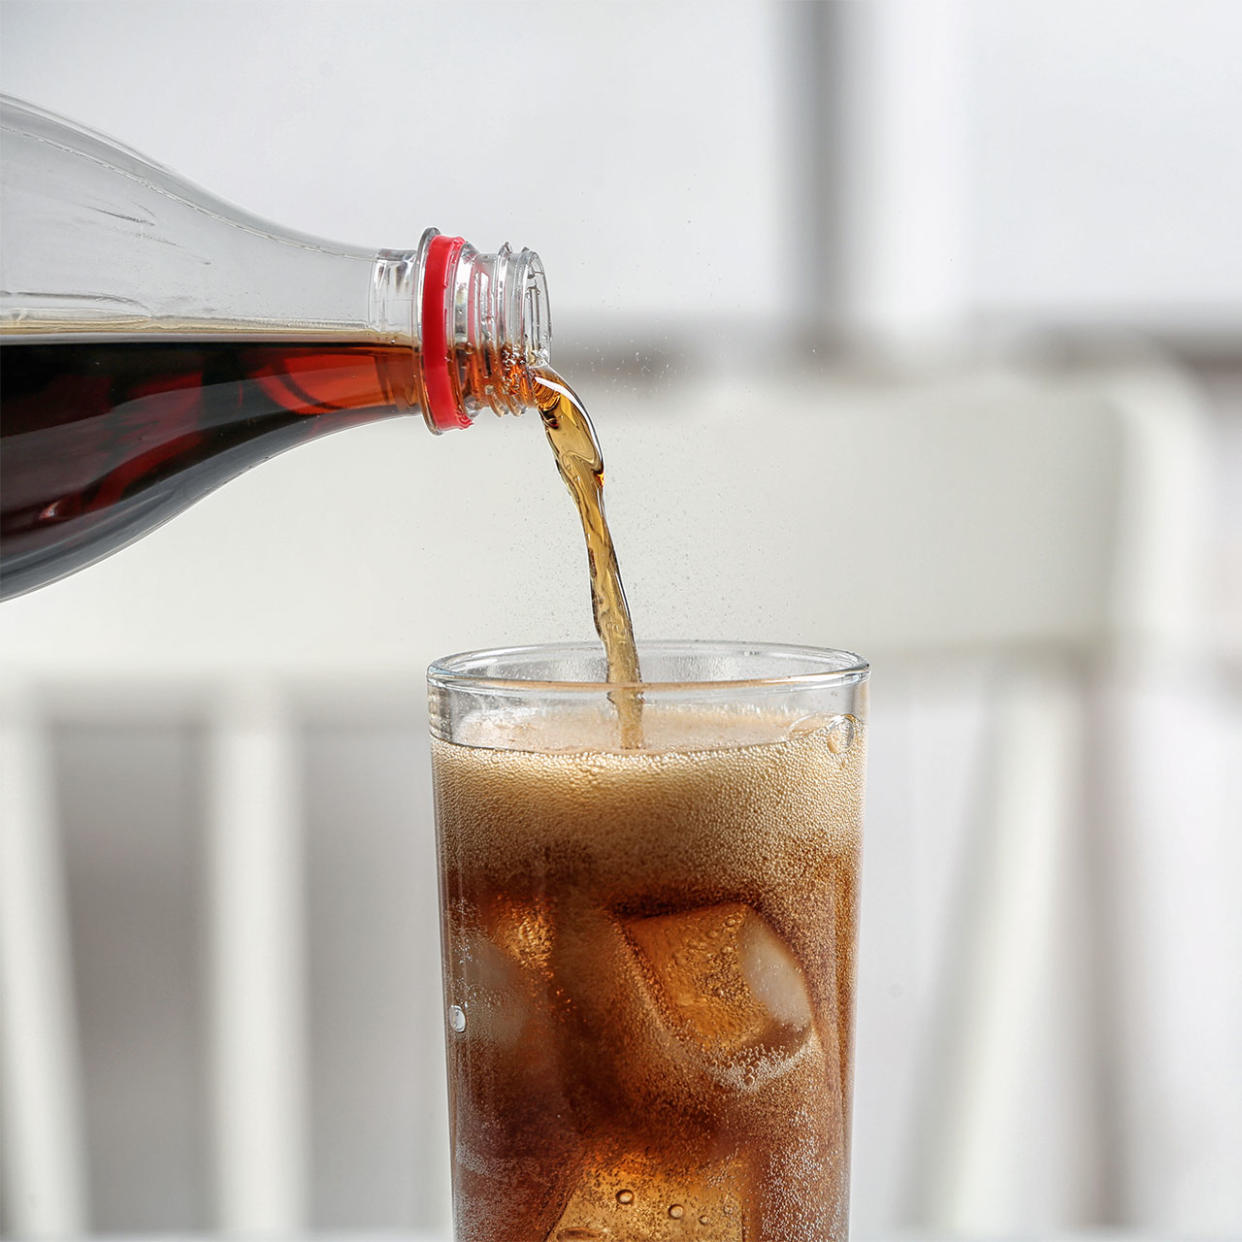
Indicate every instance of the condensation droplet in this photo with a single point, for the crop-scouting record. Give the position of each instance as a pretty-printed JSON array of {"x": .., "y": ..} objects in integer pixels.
[
  {"x": 625, "y": 1197},
  {"x": 676, "y": 1211},
  {"x": 457, "y": 1018},
  {"x": 841, "y": 734},
  {"x": 703, "y": 1219}
]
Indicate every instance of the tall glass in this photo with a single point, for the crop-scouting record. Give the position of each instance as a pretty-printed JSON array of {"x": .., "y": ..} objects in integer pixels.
[{"x": 649, "y": 953}]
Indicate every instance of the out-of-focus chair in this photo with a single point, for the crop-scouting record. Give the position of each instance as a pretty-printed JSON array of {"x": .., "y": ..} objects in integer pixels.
[{"x": 995, "y": 542}]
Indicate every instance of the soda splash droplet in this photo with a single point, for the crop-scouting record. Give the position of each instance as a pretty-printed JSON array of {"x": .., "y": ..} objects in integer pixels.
[
  {"x": 625, "y": 1197},
  {"x": 676, "y": 1211},
  {"x": 703, "y": 1219},
  {"x": 457, "y": 1018}
]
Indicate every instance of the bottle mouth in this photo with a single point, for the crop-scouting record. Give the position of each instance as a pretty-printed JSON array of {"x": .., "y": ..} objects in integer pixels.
[
  {"x": 531, "y": 285},
  {"x": 485, "y": 327}
]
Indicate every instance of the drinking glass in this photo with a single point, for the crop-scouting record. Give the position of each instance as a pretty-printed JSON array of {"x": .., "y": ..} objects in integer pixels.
[{"x": 648, "y": 952}]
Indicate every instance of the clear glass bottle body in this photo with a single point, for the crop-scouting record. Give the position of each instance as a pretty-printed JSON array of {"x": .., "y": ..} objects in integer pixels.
[{"x": 158, "y": 341}]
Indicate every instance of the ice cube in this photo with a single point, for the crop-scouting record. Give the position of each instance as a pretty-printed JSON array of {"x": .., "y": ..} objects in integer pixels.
[
  {"x": 773, "y": 975},
  {"x": 489, "y": 990},
  {"x": 630, "y": 1196},
  {"x": 500, "y": 954},
  {"x": 726, "y": 982}
]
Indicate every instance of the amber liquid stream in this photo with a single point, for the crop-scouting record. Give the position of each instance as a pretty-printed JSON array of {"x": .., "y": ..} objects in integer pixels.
[{"x": 581, "y": 465}]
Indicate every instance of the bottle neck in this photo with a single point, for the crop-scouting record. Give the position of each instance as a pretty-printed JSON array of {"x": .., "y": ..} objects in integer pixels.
[{"x": 478, "y": 325}]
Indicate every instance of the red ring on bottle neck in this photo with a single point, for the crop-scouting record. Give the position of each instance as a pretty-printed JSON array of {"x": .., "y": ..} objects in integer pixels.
[{"x": 438, "y": 268}]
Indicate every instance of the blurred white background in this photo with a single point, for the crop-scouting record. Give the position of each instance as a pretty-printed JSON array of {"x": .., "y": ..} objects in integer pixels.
[{"x": 942, "y": 299}]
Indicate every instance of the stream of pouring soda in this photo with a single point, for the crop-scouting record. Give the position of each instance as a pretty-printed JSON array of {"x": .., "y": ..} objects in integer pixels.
[{"x": 581, "y": 465}]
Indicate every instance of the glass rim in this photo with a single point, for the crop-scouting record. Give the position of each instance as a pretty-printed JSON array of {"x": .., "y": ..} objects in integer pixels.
[{"x": 840, "y": 668}]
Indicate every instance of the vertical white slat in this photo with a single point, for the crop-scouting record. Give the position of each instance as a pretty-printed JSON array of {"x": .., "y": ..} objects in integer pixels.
[
  {"x": 42, "y": 1160},
  {"x": 1010, "y": 1005},
  {"x": 255, "y": 905},
  {"x": 1174, "y": 730}
]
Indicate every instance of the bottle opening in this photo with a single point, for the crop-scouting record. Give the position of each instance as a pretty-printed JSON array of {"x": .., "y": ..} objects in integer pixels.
[
  {"x": 533, "y": 314},
  {"x": 484, "y": 329}
]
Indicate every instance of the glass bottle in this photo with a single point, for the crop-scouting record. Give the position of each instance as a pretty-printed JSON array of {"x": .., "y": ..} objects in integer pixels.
[{"x": 157, "y": 341}]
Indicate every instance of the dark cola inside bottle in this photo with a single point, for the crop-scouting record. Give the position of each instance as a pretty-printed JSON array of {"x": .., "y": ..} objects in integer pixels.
[{"x": 155, "y": 342}]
